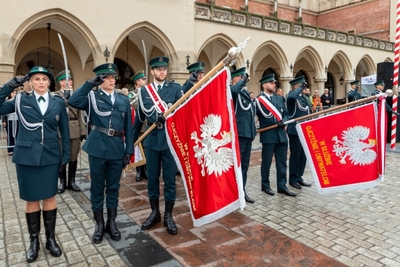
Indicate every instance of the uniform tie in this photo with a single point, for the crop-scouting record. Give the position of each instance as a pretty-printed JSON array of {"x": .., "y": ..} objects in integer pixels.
[
  {"x": 158, "y": 88},
  {"x": 41, "y": 98}
]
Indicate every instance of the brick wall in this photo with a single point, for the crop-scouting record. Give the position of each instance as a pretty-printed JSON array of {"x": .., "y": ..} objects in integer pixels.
[
  {"x": 371, "y": 18},
  {"x": 366, "y": 17}
]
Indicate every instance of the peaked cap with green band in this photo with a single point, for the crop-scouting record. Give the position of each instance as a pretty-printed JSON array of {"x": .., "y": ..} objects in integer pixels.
[
  {"x": 238, "y": 72},
  {"x": 61, "y": 76},
  {"x": 268, "y": 78},
  {"x": 158, "y": 62},
  {"x": 106, "y": 68},
  {"x": 198, "y": 66},
  {"x": 138, "y": 75},
  {"x": 297, "y": 80},
  {"x": 379, "y": 83}
]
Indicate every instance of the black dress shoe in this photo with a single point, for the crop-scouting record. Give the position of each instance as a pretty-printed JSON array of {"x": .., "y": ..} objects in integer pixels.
[
  {"x": 304, "y": 184},
  {"x": 248, "y": 200},
  {"x": 287, "y": 192},
  {"x": 138, "y": 177},
  {"x": 268, "y": 191},
  {"x": 296, "y": 185}
]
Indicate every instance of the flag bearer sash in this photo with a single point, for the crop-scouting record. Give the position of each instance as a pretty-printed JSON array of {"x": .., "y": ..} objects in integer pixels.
[
  {"x": 345, "y": 150},
  {"x": 201, "y": 134},
  {"x": 268, "y": 105},
  {"x": 159, "y": 104}
]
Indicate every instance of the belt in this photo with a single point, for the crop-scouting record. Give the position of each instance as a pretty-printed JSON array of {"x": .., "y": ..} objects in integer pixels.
[
  {"x": 109, "y": 132},
  {"x": 73, "y": 118}
]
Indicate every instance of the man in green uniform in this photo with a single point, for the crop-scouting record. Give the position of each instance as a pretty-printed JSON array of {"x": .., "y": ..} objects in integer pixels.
[
  {"x": 244, "y": 109},
  {"x": 353, "y": 94},
  {"x": 271, "y": 110},
  {"x": 139, "y": 80},
  {"x": 109, "y": 144},
  {"x": 297, "y": 106},
  {"x": 77, "y": 131},
  {"x": 154, "y": 99},
  {"x": 379, "y": 87},
  {"x": 196, "y": 71}
]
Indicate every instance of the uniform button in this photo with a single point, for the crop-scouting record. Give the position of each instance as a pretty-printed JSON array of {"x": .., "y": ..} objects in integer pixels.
[{"x": 112, "y": 109}]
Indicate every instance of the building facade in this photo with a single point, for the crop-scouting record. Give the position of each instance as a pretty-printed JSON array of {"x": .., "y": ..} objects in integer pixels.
[{"x": 288, "y": 37}]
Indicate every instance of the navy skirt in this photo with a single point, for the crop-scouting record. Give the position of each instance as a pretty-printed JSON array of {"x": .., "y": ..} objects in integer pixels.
[{"x": 37, "y": 182}]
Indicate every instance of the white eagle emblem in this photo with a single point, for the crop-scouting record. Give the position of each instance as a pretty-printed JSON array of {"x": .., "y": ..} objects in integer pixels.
[
  {"x": 353, "y": 147},
  {"x": 209, "y": 150}
]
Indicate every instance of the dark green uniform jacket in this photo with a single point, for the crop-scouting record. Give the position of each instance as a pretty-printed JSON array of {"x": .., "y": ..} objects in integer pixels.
[
  {"x": 29, "y": 149},
  {"x": 99, "y": 144}
]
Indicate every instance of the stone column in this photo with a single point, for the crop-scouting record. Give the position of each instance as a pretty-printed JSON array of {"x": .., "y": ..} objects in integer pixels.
[
  {"x": 285, "y": 85},
  {"x": 320, "y": 83},
  {"x": 6, "y": 72}
]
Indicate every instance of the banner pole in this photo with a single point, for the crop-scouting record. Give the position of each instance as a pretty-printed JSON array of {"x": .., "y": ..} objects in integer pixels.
[
  {"x": 370, "y": 98},
  {"x": 393, "y": 135},
  {"x": 232, "y": 54}
]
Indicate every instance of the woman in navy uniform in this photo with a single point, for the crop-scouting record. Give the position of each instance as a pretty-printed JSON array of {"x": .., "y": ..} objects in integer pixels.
[
  {"x": 109, "y": 144},
  {"x": 41, "y": 116},
  {"x": 246, "y": 127},
  {"x": 297, "y": 106},
  {"x": 156, "y": 147}
]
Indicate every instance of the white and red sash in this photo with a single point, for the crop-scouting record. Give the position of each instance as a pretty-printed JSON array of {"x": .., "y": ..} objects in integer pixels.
[
  {"x": 159, "y": 104},
  {"x": 268, "y": 105}
]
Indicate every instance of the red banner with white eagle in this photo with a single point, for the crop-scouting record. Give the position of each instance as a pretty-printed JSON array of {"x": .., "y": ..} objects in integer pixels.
[
  {"x": 201, "y": 134},
  {"x": 346, "y": 150}
]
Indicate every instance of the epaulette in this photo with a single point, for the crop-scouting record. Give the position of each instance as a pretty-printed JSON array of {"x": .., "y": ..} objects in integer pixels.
[
  {"x": 174, "y": 83},
  {"x": 29, "y": 94},
  {"x": 57, "y": 95},
  {"x": 120, "y": 93}
]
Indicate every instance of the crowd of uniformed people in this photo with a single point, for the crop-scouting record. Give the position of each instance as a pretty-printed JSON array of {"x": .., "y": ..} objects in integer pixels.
[{"x": 52, "y": 125}]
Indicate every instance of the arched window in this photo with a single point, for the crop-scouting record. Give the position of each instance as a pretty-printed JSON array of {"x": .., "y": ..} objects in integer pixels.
[
  {"x": 302, "y": 73},
  {"x": 124, "y": 75},
  {"x": 330, "y": 84}
]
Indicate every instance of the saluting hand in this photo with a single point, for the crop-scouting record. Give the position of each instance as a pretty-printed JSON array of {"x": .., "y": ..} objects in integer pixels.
[
  {"x": 17, "y": 81},
  {"x": 193, "y": 77},
  {"x": 99, "y": 79}
]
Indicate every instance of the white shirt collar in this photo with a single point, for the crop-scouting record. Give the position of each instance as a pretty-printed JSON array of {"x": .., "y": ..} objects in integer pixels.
[
  {"x": 45, "y": 96},
  {"x": 108, "y": 94}
]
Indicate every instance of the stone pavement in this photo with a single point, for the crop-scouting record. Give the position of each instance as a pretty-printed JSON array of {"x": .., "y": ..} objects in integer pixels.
[{"x": 356, "y": 228}]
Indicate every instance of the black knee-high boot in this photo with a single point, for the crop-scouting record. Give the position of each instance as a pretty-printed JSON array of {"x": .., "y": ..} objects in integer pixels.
[
  {"x": 49, "y": 218},
  {"x": 63, "y": 181},
  {"x": 71, "y": 176},
  {"x": 33, "y": 222}
]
